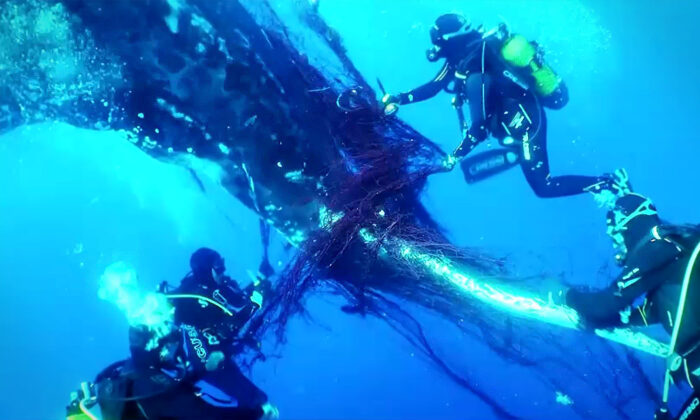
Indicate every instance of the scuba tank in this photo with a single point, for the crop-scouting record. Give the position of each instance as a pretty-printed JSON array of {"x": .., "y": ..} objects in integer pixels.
[
  {"x": 525, "y": 60},
  {"x": 114, "y": 388},
  {"x": 82, "y": 402}
]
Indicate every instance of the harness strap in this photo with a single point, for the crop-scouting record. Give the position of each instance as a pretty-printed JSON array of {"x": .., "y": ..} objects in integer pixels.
[{"x": 200, "y": 297}]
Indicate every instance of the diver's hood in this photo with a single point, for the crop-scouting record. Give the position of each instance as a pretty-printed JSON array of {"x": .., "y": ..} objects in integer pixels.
[
  {"x": 447, "y": 26},
  {"x": 452, "y": 33},
  {"x": 203, "y": 261},
  {"x": 455, "y": 44}
]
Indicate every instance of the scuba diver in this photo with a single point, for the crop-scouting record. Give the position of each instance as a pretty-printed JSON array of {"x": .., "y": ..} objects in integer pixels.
[
  {"x": 187, "y": 371},
  {"x": 506, "y": 84},
  {"x": 658, "y": 285}
]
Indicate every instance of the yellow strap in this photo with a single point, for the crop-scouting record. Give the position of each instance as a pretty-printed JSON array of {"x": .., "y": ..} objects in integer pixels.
[{"x": 644, "y": 317}]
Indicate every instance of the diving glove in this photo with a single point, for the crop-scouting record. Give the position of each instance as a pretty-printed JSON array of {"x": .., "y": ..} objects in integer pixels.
[
  {"x": 257, "y": 298},
  {"x": 610, "y": 188},
  {"x": 270, "y": 412},
  {"x": 390, "y": 103},
  {"x": 214, "y": 361}
]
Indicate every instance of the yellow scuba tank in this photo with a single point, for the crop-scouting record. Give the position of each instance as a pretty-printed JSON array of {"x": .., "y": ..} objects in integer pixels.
[{"x": 522, "y": 54}]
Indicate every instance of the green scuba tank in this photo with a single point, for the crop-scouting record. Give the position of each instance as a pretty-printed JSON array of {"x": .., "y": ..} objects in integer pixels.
[
  {"x": 77, "y": 415},
  {"x": 74, "y": 413},
  {"x": 521, "y": 54},
  {"x": 82, "y": 402}
]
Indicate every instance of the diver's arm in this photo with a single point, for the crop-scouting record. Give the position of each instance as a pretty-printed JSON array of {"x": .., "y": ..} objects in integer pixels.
[
  {"x": 172, "y": 352},
  {"x": 244, "y": 303},
  {"x": 602, "y": 309},
  {"x": 471, "y": 139},
  {"x": 233, "y": 294},
  {"x": 599, "y": 309},
  {"x": 477, "y": 88},
  {"x": 644, "y": 272},
  {"x": 139, "y": 338},
  {"x": 430, "y": 89},
  {"x": 244, "y": 315}
]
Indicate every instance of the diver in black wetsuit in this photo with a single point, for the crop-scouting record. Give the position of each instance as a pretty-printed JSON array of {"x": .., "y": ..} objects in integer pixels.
[
  {"x": 189, "y": 372},
  {"x": 657, "y": 261},
  {"x": 506, "y": 84},
  {"x": 208, "y": 279}
]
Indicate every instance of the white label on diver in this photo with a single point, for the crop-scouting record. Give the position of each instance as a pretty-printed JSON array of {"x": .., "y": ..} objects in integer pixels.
[
  {"x": 688, "y": 411},
  {"x": 514, "y": 79}
]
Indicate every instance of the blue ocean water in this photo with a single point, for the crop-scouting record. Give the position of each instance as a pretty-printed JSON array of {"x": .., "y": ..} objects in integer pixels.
[{"x": 72, "y": 201}]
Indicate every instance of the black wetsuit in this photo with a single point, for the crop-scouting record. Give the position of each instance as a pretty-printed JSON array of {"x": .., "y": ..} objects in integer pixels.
[
  {"x": 500, "y": 106},
  {"x": 647, "y": 292},
  {"x": 208, "y": 317}
]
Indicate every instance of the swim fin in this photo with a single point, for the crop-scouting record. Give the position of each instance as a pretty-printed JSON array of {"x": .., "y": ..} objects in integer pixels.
[{"x": 487, "y": 164}]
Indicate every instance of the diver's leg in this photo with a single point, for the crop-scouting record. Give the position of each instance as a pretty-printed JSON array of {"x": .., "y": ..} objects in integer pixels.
[
  {"x": 232, "y": 381},
  {"x": 535, "y": 165},
  {"x": 182, "y": 403}
]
